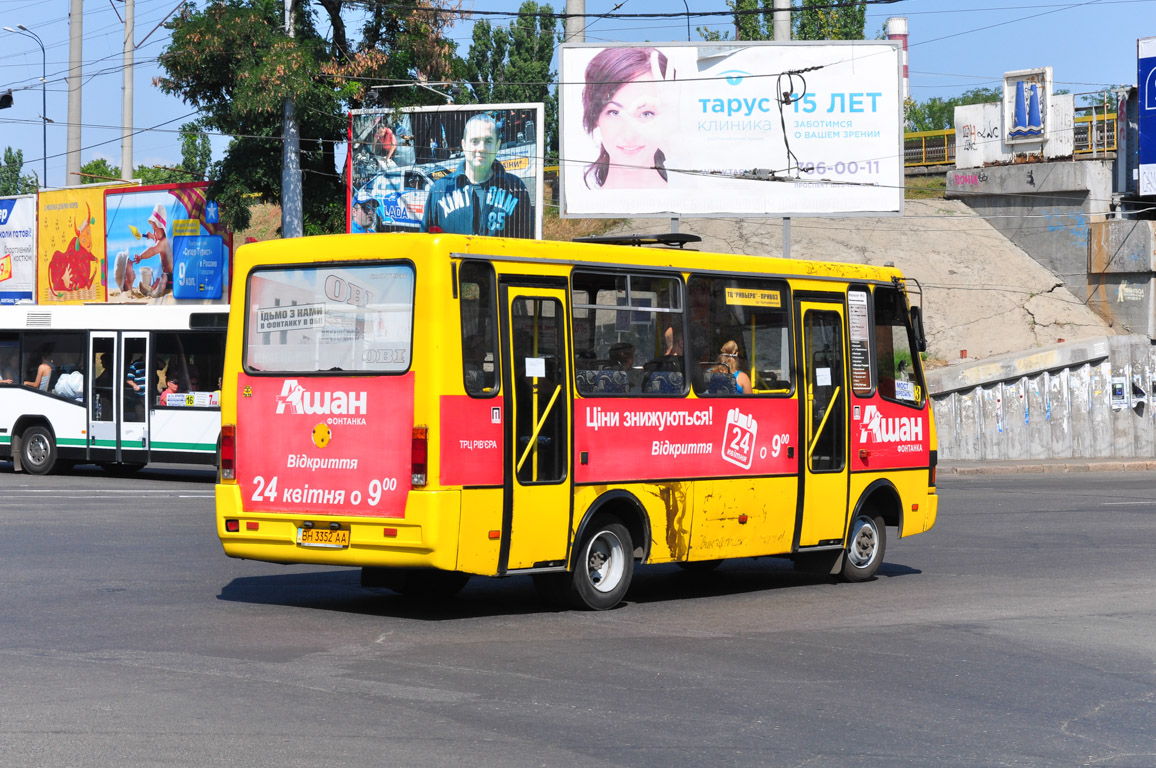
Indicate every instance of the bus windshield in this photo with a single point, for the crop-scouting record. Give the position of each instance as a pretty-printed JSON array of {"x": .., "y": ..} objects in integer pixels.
[{"x": 330, "y": 318}]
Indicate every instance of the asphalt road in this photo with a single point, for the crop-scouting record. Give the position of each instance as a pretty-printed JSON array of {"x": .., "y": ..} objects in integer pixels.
[{"x": 1020, "y": 631}]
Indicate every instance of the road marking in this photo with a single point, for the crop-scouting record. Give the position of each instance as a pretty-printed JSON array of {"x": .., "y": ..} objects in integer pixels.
[
  {"x": 1124, "y": 503},
  {"x": 89, "y": 490}
]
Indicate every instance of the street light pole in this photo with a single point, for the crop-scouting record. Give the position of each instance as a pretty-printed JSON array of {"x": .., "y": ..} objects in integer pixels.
[
  {"x": 687, "y": 20},
  {"x": 23, "y": 30}
]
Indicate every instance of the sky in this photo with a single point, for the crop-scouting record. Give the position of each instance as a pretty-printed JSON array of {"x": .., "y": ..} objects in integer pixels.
[{"x": 954, "y": 45}]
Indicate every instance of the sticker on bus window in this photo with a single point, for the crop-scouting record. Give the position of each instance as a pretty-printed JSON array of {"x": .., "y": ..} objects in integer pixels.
[
  {"x": 822, "y": 377},
  {"x": 905, "y": 390},
  {"x": 754, "y": 297},
  {"x": 536, "y": 367}
]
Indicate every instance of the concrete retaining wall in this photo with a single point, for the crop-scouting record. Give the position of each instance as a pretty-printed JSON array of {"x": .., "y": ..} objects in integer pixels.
[{"x": 1080, "y": 400}]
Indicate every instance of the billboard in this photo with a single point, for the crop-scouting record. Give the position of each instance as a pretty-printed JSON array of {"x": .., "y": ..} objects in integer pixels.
[
  {"x": 685, "y": 129},
  {"x": 165, "y": 245},
  {"x": 474, "y": 170},
  {"x": 1146, "y": 81},
  {"x": 17, "y": 249},
  {"x": 70, "y": 246}
]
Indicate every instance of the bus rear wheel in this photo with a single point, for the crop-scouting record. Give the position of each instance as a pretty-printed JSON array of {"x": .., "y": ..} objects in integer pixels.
[
  {"x": 603, "y": 569},
  {"x": 37, "y": 451},
  {"x": 865, "y": 548}
]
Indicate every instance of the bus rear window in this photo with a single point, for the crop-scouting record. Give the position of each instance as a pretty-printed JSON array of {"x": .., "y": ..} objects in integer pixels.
[{"x": 330, "y": 318}]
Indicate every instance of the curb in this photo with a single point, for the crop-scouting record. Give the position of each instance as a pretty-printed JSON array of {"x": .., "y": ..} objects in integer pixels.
[{"x": 1056, "y": 467}]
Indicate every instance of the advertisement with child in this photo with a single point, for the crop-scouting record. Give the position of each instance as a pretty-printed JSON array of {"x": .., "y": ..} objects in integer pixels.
[{"x": 165, "y": 245}]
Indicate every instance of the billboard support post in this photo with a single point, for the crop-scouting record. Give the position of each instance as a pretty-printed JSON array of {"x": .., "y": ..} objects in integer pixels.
[{"x": 786, "y": 237}]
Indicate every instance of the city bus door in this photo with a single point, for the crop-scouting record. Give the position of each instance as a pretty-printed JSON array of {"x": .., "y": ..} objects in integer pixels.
[
  {"x": 535, "y": 380},
  {"x": 103, "y": 402},
  {"x": 822, "y": 516},
  {"x": 134, "y": 383}
]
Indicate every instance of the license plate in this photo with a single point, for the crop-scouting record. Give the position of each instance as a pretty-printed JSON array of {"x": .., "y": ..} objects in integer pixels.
[{"x": 322, "y": 537}]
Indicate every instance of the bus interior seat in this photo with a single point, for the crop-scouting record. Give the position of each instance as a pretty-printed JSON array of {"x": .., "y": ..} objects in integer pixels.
[
  {"x": 721, "y": 384},
  {"x": 664, "y": 382},
  {"x": 612, "y": 382}
]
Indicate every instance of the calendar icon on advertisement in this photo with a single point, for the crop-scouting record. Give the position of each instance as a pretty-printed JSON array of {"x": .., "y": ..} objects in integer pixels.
[{"x": 739, "y": 443}]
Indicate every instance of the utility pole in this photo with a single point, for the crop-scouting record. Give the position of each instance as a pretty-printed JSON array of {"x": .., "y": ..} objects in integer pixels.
[
  {"x": 126, "y": 169},
  {"x": 292, "y": 224},
  {"x": 575, "y": 21},
  {"x": 75, "y": 76},
  {"x": 782, "y": 20}
]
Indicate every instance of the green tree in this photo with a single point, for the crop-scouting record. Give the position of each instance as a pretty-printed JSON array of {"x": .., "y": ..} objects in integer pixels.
[
  {"x": 512, "y": 64},
  {"x": 98, "y": 171},
  {"x": 936, "y": 114},
  {"x": 12, "y": 178},
  {"x": 812, "y": 20},
  {"x": 829, "y": 20},
  {"x": 234, "y": 63}
]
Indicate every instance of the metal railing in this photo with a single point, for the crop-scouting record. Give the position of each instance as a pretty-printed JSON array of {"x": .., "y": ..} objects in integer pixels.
[{"x": 1094, "y": 129}]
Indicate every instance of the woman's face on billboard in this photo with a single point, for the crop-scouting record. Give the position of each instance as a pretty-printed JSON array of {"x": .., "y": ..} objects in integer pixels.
[{"x": 630, "y": 124}]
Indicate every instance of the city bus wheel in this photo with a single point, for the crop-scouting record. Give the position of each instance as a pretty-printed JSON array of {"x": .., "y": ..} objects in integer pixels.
[
  {"x": 865, "y": 548},
  {"x": 603, "y": 569},
  {"x": 37, "y": 451}
]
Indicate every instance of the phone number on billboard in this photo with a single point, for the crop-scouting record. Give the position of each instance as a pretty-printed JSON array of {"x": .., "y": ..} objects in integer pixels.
[{"x": 840, "y": 167}]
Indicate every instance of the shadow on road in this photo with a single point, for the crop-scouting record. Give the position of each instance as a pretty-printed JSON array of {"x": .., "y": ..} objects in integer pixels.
[
  {"x": 181, "y": 472},
  {"x": 341, "y": 590}
]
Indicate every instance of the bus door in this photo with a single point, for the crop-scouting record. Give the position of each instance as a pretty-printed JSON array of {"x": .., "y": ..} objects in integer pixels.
[
  {"x": 824, "y": 471},
  {"x": 134, "y": 384},
  {"x": 103, "y": 410},
  {"x": 535, "y": 379}
]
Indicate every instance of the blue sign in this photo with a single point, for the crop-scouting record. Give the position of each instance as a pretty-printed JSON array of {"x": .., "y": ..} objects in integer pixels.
[
  {"x": 1146, "y": 78},
  {"x": 199, "y": 267}
]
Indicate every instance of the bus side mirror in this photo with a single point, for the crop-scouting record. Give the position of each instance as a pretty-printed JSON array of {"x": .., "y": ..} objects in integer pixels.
[{"x": 917, "y": 326}]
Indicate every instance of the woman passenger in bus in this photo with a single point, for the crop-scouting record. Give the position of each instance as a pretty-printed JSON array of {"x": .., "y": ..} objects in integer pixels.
[
  {"x": 43, "y": 373},
  {"x": 729, "y": 357}
]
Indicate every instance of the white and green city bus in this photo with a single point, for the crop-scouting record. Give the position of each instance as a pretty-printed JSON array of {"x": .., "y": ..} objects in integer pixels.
[{"x": 103, "y": 396}]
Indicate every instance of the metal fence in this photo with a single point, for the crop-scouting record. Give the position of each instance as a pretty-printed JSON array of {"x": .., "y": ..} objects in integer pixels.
[{"x": 1094, "y": 128}]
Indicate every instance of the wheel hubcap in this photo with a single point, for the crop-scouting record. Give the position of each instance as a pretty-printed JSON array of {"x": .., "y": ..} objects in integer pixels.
[
  {"x": 605, "y": 561},
  {"x": 38, "y": 450},
  {"x": 864, "y": 543}
]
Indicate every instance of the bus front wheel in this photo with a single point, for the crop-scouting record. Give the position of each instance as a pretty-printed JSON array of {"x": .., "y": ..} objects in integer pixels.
[
  {"x": 865, "y": 550},
  {"x": 603, "y": 569},
  {"x": 37, "y": 451}
]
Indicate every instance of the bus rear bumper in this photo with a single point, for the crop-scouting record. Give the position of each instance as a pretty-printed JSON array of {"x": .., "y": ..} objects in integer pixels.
[{"x": 426, "y": 537}]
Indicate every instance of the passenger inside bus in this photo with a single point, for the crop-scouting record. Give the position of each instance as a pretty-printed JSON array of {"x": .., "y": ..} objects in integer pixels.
[
  {"x": 172, "y": 386},
  {"x": 664, "y": 374},
  {"x": 729, "y": 358},
  {"x": 9, "y": 368},
  {"x": 43, "y": 372}
]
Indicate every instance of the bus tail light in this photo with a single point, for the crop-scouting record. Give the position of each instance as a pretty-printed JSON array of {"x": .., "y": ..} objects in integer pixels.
[
  {"x": 418, "y": 454},
  {"x": 228, "y": 451}
]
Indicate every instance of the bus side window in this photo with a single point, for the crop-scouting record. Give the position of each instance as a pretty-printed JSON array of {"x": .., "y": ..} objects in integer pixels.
[
  {"x": 479, "y": 324},
  {"x": 628, "y": 334},
  {"x": 897, "y": 367},
  {"x": 739, "y": 336}
]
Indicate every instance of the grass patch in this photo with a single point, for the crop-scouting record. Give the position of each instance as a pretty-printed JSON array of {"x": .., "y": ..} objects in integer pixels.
[{"x": 933, "y": 186}]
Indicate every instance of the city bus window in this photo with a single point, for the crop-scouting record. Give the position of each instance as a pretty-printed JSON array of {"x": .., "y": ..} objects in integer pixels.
[
  {"x": 628, "y": 334},
  {"x": 331, "y": 319},
  {"x": 63, "y": 353},
  {"x": 136, "y": 380},
  {"x": 479, "y": 321},
  {"x": 739, "y": 336},
  {"x": 10, "y": 359},
  {"x": 103, "y": 354},
  {"x": 186, "y": 369},
  {"x": 898, "y": 374}
]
